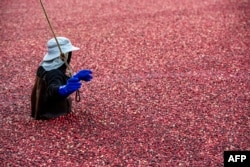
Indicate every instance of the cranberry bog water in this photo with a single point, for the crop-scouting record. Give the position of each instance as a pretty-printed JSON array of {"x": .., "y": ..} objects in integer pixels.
[{"x": 170, "y": 87}]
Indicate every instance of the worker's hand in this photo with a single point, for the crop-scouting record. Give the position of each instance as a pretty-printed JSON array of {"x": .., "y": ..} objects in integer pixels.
[
  {"x": 85, "y": 75},
  {"x": 73, "y": 84}
]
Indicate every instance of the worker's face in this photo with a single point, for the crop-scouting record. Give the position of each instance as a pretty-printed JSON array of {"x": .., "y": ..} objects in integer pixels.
[{"x": 69, "y": 57}]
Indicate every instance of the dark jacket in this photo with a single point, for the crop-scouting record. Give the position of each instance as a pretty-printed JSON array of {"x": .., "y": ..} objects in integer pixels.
[{"x": 46, "y": 102}]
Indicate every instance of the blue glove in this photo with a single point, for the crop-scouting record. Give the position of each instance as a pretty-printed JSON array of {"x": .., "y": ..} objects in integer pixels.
[
  {"x": 73, "y": 84},
  {"x": 85, "y": 75}
]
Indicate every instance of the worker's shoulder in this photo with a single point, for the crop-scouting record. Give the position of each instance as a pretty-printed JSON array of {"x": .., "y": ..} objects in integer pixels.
[{"x": 54, "y": 73}]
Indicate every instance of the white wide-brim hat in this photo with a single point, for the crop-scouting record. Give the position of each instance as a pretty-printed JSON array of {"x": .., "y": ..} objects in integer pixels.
[{"x": 53, "y": 50}]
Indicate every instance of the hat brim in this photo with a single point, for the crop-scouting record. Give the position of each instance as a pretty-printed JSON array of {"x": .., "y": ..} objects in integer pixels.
[{"x": 56, "y": 53}]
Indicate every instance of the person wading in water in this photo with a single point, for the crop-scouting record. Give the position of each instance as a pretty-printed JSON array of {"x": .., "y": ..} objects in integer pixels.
[{"x": 50, "y": 97}]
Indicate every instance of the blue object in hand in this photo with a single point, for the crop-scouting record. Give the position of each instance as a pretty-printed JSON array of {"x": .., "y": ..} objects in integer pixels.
[
  {"x": 72, "y": 85},
  {"x": 85, "y": 75}
]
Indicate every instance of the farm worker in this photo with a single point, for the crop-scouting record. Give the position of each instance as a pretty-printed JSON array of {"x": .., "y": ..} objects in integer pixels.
[{"x": 50, "y": 97}]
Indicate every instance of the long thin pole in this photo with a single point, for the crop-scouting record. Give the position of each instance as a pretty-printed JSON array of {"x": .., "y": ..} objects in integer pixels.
[
  {"x": 47, "y": 18},
  {"x": 62, "y": 55}
]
